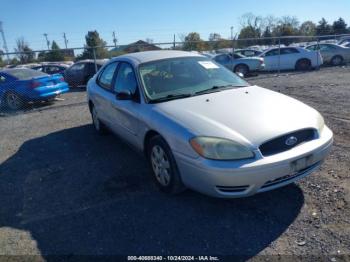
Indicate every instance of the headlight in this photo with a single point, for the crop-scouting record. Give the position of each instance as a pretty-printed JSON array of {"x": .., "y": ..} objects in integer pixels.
[
  {"x": 320, "y": 123},
  {"x": 220, "y": 149}
]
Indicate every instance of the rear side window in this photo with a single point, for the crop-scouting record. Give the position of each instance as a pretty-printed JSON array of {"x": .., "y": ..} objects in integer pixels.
[
  {"x": 106, "y": 76},
  {"x": 77, "y": 67},
  {"x": 2, "y": 79}
]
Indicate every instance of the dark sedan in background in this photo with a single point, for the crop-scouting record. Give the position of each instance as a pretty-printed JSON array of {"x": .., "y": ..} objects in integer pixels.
[
  {"x": 52, "y": 69},
  {"x": 81, "y": 72}
]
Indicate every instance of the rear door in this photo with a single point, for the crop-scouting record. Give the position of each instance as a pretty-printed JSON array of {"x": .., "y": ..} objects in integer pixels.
[
  {"x": 289, "y": 58},
  {"x": 103, "y": 94}
]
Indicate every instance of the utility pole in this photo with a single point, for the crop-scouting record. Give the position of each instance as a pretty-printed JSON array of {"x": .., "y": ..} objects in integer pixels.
[
  {"x": 174, "y": 42},
  {"x": 114, "y": 39},
  {"x": 65, "y": 40},
  {"x": 4, "y": 41},
  {"x": 47, "y": 41}
]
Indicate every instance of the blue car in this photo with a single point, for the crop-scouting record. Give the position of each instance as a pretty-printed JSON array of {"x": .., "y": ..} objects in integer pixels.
[{"x": 21, "y": 85}]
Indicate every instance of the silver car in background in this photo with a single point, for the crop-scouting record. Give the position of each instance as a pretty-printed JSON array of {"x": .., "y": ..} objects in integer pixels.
[
  {"x": 332, "y": 53},
  {"x": 239, "y": 63},
  {"x": 203, "y": 127}
]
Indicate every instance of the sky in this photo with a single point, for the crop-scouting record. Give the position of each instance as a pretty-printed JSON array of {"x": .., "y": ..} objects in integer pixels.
[{"x": 140, "y": 19}]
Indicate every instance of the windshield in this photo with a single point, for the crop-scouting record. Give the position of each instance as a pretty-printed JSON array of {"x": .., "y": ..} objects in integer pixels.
[
  {"x": 24, "y": 74},
  {"x": 186, "y": 76}
]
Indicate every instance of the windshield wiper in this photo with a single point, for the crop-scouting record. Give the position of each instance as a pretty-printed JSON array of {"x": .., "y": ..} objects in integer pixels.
[
  {"x": 170, "y": 97},
  {"x": 214, "y": 89}
]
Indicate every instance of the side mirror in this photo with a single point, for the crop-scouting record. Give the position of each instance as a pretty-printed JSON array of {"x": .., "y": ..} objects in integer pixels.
[{"x": 124, "y": 95}]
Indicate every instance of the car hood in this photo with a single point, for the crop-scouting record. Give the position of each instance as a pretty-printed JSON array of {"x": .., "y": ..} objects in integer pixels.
[{"x": 249, "y": 115}]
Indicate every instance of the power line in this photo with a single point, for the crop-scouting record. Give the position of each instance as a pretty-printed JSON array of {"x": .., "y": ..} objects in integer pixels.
[
  {"x": 65, "y": 40},
  {"x": 4, "y": 40},
  {"x": 47, "y": 41},
  {"x": 114, "y": 39}
]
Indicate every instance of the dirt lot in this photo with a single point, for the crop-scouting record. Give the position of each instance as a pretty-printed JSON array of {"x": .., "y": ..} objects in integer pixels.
[{"x": 66, "y": 190}]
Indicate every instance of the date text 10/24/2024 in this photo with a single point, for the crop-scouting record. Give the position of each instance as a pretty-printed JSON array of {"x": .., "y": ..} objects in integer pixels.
[{"x": 173, "y": 258}]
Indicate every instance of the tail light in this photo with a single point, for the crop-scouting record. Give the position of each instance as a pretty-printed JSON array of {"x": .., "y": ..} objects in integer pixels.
[{"x": 35, "y": 84}]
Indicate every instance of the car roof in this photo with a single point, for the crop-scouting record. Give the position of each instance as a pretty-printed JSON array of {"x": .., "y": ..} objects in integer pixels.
[
  {"x": 98, "y": 61},
  {"x": 149, "y": 56}
]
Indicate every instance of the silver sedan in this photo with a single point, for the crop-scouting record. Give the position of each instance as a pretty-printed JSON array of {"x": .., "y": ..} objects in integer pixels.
[
  {"x": 203, "y": 127},
  {"x": 331, "y": 53},
  {"x": 239, "y": 63}
]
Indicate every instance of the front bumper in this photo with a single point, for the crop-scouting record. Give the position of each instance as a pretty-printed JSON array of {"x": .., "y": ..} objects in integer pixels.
[{"x": 247, "y": 177}]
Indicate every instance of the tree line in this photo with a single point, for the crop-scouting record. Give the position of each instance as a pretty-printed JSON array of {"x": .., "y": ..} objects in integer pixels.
[{"x": 263, "y": 29}]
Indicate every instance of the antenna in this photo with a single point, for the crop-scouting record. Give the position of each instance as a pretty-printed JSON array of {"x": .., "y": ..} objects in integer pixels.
[{"x": 114, "y": 39}]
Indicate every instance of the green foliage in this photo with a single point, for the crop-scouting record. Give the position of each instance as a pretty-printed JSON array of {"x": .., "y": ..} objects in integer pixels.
[
  {"x": 323, "y": 28},
  {"x": 340, "y": 27},
  {"x": 193, "y": 42},
  {"x": 308, "y": 28},
  {"x": 217, "y": 42},
  {"x": 94, "y": 41},
  {"x": 25, "y": 53},
  {"x": 55, "y": 54}
]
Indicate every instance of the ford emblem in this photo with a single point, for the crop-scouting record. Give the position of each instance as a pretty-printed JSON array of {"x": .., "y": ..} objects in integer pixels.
[{"x": 291, "y": 141}]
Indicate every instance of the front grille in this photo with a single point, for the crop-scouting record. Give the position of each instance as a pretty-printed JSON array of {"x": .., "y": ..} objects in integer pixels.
[
  {"x": 232, "y": 189},
  {"x": 289, "y": 177},
  {"x": 278, "y": 145}
]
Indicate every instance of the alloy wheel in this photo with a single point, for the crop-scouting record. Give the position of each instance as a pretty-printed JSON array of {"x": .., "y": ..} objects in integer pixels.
[{"x": 161, "y": 165}]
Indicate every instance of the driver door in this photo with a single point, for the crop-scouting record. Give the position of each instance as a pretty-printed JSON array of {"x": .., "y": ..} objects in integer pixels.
[{"x": 125, "y": 113}]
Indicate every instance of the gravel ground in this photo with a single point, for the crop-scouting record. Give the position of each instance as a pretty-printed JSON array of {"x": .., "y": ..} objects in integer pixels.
[{"x": 66, "y": 190}]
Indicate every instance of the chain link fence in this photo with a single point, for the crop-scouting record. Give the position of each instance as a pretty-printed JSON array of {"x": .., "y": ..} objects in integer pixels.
[{"x": 55, "y": 72}]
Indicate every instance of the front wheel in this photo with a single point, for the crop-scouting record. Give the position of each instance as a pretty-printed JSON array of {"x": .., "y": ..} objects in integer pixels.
[
  {"x": 243, "y": 69},
  {"x": 164, "y": 168}
]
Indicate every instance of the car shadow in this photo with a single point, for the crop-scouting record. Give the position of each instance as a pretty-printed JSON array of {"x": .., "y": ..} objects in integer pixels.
[{"x": 79, "y": 193}]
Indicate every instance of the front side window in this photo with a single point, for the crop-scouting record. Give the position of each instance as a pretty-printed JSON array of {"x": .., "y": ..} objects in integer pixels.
[
  {"x": 272, "y": 52},
  {"x": 126, "y": 79},
  {"x": 288, "y": 51},
  {"x": 185, "y": 76},
  {"x": 106, "y": 77}
]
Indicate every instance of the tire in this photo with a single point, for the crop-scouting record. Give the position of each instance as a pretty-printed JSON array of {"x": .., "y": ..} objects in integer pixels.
[
  {"x": 241, "y": 68},
  {"x": 163, "y": 165},
  {"x": 303, "y": 65},
  {"x": 13, "y": 101},
  {"x": 337, "y": 60},
  {"x": 96, "y": 122}
]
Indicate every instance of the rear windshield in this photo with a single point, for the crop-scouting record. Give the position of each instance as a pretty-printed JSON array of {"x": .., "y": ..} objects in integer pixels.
[{"x": 24, "y": 74}]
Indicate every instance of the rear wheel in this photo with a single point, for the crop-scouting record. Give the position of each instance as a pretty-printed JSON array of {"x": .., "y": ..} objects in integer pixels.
[
  {"x": 14, "y": 101},
  {"x": 303, "y": 65},
  {"x": 337, "y": 60},
  {"x": 98, "y": 125},
  {"x": 164, "y": 168},
  {"x": 241, "y": 68}
]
